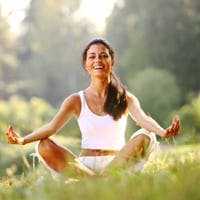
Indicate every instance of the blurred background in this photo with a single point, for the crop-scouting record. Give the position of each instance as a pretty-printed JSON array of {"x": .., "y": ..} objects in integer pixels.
[{"x": 157, "y": 47}]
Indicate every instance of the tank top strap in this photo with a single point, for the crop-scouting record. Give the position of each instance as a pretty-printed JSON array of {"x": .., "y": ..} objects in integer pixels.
[{"x": 82, "y": 97}]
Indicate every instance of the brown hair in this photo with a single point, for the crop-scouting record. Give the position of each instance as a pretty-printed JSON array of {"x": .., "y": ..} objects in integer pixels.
[{"x": 116, "y": 101}]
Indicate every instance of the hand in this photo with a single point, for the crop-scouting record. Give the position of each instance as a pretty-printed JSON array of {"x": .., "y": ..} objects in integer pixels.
[
  {"x": 173, "y": 129},
  {"x": 13, "y": 137}
]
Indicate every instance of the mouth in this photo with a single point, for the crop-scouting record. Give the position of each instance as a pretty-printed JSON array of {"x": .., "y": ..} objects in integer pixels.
[{"x": 98, "y": 67}]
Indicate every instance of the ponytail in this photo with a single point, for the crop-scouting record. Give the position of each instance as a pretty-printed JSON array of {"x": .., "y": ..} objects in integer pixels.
[{"x": 116, "y": 102}]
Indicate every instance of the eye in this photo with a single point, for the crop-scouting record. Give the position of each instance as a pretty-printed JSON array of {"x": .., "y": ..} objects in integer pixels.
[
  {"x": 104, "y": 56},
  {"x": 91, "y": 57}
]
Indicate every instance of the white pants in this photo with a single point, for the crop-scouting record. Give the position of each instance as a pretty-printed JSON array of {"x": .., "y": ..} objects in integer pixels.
[{"x": 97, "y": 163}]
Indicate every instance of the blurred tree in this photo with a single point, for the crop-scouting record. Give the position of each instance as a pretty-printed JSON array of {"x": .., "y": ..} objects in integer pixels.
[
  {"x": 157, "y": 91},
  {"x": 24, "y": 115},
  {"x": 50, "y": 50},
  {"x": 8, "y": 59},
  {"x": 160, "y": 33},
  {"x": 190, "y": 117}
]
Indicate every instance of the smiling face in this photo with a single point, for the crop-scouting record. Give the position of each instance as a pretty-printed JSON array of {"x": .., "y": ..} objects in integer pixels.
[{"x": 98, "y": 60}]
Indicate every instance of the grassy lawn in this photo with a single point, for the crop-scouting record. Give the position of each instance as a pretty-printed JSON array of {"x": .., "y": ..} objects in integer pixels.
[{"x": 174, "y": 174}]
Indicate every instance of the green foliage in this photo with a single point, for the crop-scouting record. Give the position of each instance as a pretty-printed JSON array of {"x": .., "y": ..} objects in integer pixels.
[
  {"x": 157, "y": 91},
  {"x": 26, "y": 116},
  {"x": 166, "y": 181},
  {"x": 190, "y": 118},
  {"x": 50, "y": 57},
  {"x": 23, "y": 115},
  {"x": 164, "y": 34},
  {"x": 8, "y": 58}
]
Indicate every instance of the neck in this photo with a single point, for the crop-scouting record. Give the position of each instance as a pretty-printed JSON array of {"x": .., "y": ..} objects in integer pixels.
[{"x": 99, "y": 86}]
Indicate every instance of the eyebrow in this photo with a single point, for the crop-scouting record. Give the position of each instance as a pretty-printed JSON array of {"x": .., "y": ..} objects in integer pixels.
[{"x": 103, "y": 52}]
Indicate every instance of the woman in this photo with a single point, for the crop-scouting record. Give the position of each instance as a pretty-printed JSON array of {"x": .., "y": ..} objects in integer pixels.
[{"x": 101, "y": 111}]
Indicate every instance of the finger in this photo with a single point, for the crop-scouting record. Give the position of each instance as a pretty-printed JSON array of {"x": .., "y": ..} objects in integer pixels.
[
  {"x": 175, "y": 122},
  {"x": 10, "y": 128},
  {"x": 168, "y": 133},
  {"x": 173, "y": 126},
  {"x": 177, "y": 127},
  {"x": 176, "y": 118},
  {"x": 13, "y": 140},
  {"x": 173, "y": 130},
  {"x": 17, "y": 134},
  {"x": 12, "y": 136},
  {"x": 10, "y": 140},
  {"x": 12, "y": 132}
]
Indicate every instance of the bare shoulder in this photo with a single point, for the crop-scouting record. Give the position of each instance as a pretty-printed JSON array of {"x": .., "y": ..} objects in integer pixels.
[
  {"x": 75, "y": 97},
  {"x": 72, "y": 103},
  {"x": 132, "y": 99}
]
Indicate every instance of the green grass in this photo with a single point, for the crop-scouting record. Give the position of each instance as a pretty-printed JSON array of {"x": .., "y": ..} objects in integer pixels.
[{"x": 175, "y": 174}]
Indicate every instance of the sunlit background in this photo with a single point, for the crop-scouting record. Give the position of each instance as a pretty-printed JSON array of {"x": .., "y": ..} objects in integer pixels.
[
  {"x": 95, "y": 11},
  {"x": 14, "y": 11},
  {"x": 157, "y": 46}
]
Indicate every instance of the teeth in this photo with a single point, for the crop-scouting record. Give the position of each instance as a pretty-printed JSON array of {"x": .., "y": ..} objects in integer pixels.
[{"x": 98, "y": 67}]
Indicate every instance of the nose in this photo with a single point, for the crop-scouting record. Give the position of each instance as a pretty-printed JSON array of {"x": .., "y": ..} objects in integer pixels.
[{"x": 97, "y": 59}]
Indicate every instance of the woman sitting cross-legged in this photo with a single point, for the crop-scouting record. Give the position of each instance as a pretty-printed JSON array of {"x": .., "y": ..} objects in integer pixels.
[{"x": 101, "y": 111}]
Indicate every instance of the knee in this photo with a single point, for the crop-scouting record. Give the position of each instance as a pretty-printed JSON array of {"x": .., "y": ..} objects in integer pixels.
[
  {"x": 44, "y": 146},
  {"x": 142, "y": 131},
  {"x": 142, "y": 140},
  {"x": 141, "y": 143}
]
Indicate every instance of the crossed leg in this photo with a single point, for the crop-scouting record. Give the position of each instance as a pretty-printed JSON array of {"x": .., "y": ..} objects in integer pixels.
[
  {"x": 134, "y": 150},
  {"x": 59, "y": 158}
]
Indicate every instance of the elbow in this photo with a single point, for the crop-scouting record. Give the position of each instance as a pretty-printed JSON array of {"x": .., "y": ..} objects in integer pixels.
[{"x": 139, "y": 123}]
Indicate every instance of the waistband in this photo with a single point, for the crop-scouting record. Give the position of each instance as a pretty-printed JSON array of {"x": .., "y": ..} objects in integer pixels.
[{"x": 97, "y": 152}]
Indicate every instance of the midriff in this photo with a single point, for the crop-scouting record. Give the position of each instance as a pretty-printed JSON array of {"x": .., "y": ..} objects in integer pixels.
[{"x": 98, "y": 152}]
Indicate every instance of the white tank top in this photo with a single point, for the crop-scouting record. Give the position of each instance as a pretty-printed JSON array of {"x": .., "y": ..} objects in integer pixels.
[{"x": 100, "y": 132}]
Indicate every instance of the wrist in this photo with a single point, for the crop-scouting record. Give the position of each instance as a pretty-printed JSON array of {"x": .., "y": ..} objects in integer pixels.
[
  {"x": 162, "y": 133},
  {"x": 21, "y": 141}
]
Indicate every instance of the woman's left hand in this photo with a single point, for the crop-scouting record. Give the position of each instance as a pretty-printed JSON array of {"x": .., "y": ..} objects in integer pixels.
[{"x": 173, "y": 129}]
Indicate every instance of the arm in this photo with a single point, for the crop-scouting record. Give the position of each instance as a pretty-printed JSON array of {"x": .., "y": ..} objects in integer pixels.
[
  {"x": 149, "y": 123},
  {"x": 70, "y": 107}
]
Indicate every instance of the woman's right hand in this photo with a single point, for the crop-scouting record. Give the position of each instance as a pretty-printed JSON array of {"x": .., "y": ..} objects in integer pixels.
[{"x": 13, "y": 137}]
